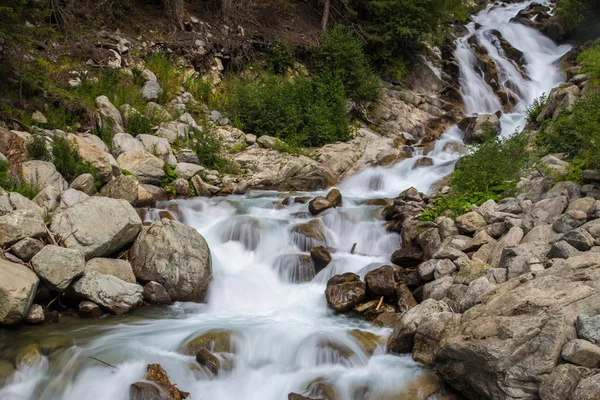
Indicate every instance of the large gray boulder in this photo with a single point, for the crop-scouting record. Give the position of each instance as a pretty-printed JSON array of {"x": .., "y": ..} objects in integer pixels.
[
  {"x": 18, "y": 286},
  {"x": 20, "y": 225},
  {"x": 146, "y": 167},
  {"x": 158, "y": 146},
  {"x": 110, "y": 266},
  {"x": 110, "y": 292},
  {"x": 98, "y": 226},
  {"x": 110, "y": 117},
  {"x": 124, "y": 142},
  {"x": 176, "y": 256},
  {"x": 44, "y": 174},
  {"x": 505, "y": 345},
  {"x": 58, "y": 266}
]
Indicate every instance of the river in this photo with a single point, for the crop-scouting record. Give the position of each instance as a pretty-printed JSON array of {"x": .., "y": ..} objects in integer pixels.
[{"x": 283, "y": 337}]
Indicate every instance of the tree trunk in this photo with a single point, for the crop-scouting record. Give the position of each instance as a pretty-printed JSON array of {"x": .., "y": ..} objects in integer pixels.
[
  {"x": 176, "y": 9},
  {"x": 325, "y": 18}
]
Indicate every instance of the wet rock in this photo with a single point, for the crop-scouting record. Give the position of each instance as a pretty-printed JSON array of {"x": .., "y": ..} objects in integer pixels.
[
  {"x": 561, "y": 382},
  {"x": 321, "y": 257},
  {"x": 147, "y": 391},
  {"x": 88, "y": 309},
  {"x": 159, "y": 377},
  {"x": 423, "y": 162},
  {"x": 243, "y": 229},
  {"x": 26, "y": 248},
  {"x": 308, "y": 235},
  {"x": 297, "y": 396},
  {"x": 581, "y": 352},
  {"x": 401, "y": 339},
  {"x": 108, "y": 291},
  {"x": 388, "y": 319},
  {"x": 29, "y": 357},
  {"x": 109, "y": 266},
  {"x": 407, "y": 257},
  {"x": 19, "y": 225},
  {"x": 344, "y": 291},
  {"x": 98, "y": 226},
  {"x": 155, "y": 293},
  {"x": 334, "y": 197},
  {"x": 7, "y": 371},
  {"x": 208, "y": 360},
  {"x": 295, "y": 268},
  {"x": 18, "y": 286},
  {"x": 381, "y": 282},
  {"x": 176, "y": 256},
  {"x": 318, "y": 205},
  {"x": 215, "y": 341},
  {"x": 589, "y": 328},
  {"x": 57, "y": 266},
  {"x": 36, "y": 314}
]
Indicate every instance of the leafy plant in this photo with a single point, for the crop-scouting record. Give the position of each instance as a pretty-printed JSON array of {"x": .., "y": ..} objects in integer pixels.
[
  {"x": 579, "y": 17},
  {"x": 209, "y": 148},
  {"x": 68, "y": 161},
  {"x": 12, "y": 182},
  {"x": 170, "y": 176},
  {"x": 534, "y": 110},
  {"x": 38, "y": 150},
  {"x": 590, "y": 59},
  {"x": 279, "y": 57}
]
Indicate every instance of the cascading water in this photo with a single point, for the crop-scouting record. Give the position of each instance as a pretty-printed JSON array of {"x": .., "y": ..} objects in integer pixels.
[{"x": 266, "y": 298}]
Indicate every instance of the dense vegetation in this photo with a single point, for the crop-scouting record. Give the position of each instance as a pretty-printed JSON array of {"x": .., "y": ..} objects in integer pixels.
[{"x": 581, "y": 18}]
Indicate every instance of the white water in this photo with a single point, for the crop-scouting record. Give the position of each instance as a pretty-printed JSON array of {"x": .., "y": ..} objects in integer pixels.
[{"x": 281, "y": 328}]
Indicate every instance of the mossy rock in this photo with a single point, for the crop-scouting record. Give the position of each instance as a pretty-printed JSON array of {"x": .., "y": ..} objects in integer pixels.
[
  {"x": 310, "y": 234},
  {"x": 215, "y": 341},
  {"x": 368, "y": 341},
  {"x": 29, "y": 356}
]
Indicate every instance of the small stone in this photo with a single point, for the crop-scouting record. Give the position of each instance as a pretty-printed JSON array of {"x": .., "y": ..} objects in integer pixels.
[
  {"x": 470, "y": 222},
  {"x": 155, "y": 293},
  {"x": 344, "y": 292},
  {"x": 87, "y": 309},
  {"x": 589, "y": 328},
  {"x": 581, "y": 352},
  {"x": 38, "y": 118},
  {"x": 35, "y": 314},
  {"x": 334, "y": 197},
  {"x": 27, "y": 248},
  {"x": 380, "y": 282},
  {"x": 318, "y": 205},
  {"x": 208, "y": 360},
  {"x": 29, "y": 357},
  {"x": 321, "y": 257},
  {"x": 407, "y": 257}
]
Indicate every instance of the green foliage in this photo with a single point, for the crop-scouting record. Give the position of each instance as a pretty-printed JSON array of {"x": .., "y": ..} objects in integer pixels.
[
  {"x": 575, "y": 170},
  {"x": 12, "y": 182},
  {"x": 170, "y": 76},
  {"x": 303, "y": 111},
  {"x": 492, "y": 169},
  {"x": 138, "y": 124},
  {"x": 200, "y": 88},
  {"x": 38, "y": 150},
  {"x": 576, "y": 134},
  {"x": 341, "y": 54},
  {"x": 68, "y": 161},
  {"x": 279, "y": 57},
  {"x": 170, "y": 176},
  {"x": 590, "y": 59},
  {"x": 534, "y": 110},
  {"x": 209, "y": 148},
  {"x": 580, "y": 18}
]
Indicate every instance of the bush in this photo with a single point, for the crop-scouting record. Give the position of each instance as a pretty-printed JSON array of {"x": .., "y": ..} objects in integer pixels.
[
  {"x": 279, "y": 57},
  {"x": 66, "y": 158},
  {"x": 590, "y": 59},
  {"x": 38, "y": 150},
  {"x": 208, "y": 146},
  {"x": 342, "y": 54},
  {"x": 305, "y": 111},
  {"x": 577, "y": 133},
  {"x": 169, "y": 75},
  {"x": 579, "y": 17},
  {"x": 11, "y": 182},
  {"x": 534, "y": 110},
  {"x": 491, "y": 170}
]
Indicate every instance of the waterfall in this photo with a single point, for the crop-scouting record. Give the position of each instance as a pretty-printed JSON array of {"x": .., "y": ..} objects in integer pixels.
[{"x": 266, "y": 296}]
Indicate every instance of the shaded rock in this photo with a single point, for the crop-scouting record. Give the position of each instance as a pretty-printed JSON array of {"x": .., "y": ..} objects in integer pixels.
[
  {"x": 208, "y": 360},
  {"x": 36, "y": 314},
  {"x": 512, "y": 238},
  {"x": 588, "y": 328},
  {"x": 318, "y": 205},
  {"x": 560, "y": 384},
  {"x": 570, "y": 220},
  {"x": 215, "y": 341},
  {"x": 19, "y": 225},
  {"x": 176, "y": 256},
  {"x": 474, "y": 291},
  {"x": 88, "y": 309},
  {"x": 155, "y": 293},
  {"x": 389, "y": 319},
  {"x": 407, "y": 257},
  {"x": 381, "y": 281},
  {"x": 562, "y": 249},
  {"x": 476, "y": 128},
  {"x": 334, "y": 197},
  {"x": 588, "y": 388},
  {"x": 581, "y": 352},
  {"x": 108, "y": 291},
  {"x": 27, "y": 248},
  {"x": 430, "y": 332},
  {"x": 401, "y": 339},
  {"x": 187, "y": 156},
  {"x": 57, "y": 267},
  {"x": 7, "y": 371},
  {"x": 406, "y": 300},
  {"x": 308, "y": 235},
  {"x": 321, "y": 257},
  {"x": 18, "y": 286},
  {"x": 344, "y": 291},
  {"x": 580, "y": 239}
]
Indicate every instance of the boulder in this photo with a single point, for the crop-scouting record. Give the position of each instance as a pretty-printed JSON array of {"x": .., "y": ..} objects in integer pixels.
[
  {"x": 344, "y": 291},
  {"x": 124, "y": 142},
  {"x": 109, "y": 292},
  {"x": 512, "y": 238},
  {"x": 98, "y": 226},
  {"x": 208, "y": 360},
  {"x": 176, "y": 256},
  {"x": 381, "y": 281},
  {"x": 99, "y": 159},
  {"x": 446, "y": 227},
  {"x": 402, "y": 337},
  {"x": 430, "y": 241},
  {"x": 155, "y": 293},
  {"x": 109, "y": 266},
  {"x": 470, "y": 222},
  {"x": 88, "y": 309},
  {"x": 406, "y": 300},
  {"x": 110, "y": 118},
  {"x": 580, "y": 239},
  {"x": 187, "y": 171},
  {"x": 18, "y": 286},
  {"x": 128, "y": 188},
  {"x": 581, "y": 352},
  {"x": 560, "y": 384},
  {"x": 181, "y": 186},
  {"x": 309, "y": 235},
  {"x": 158, "y": 146},
  {"x": 70, "y": 197},
  {"x": 437, "y": 289},
  {"x": 531, "y": 317},
  {"x": 429, "y": 334},
  {"x": 321, "y": 257},
  {"x": 334, "y": 197},
  {"x": 22, "y": 203},
  {"x": 19, "y": 225},
  {"x": 151, "y": 91},
  {"x": 562, "y": 249},
  {"x": 476, "y": 128},
  {"x": 588, "y": 328},
  {"x": 27, "y": 248},
  {"x": 318, "y": 205},
  {"x": 407, "y": 257},
  {"x": 57, "y": 266},
  {"x": 202, "y": 188},
  {"x": 146, "y": 167},
  {"x": 187, "y": 156},
  {"x": 588, "y": 388},
  {"x": 44, "y": 174},
  {"x": 48, "y": 199},
  {"x": 157, "y": 112}
]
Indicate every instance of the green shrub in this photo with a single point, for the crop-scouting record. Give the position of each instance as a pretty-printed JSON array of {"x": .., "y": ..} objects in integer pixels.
[
  {"x": 170, "y": 76},
  {"x": 577, "y": 133},
  {"x": 534, "y": 110},
  {"x": 590, "y": 59},
  {"x": 579, "y": 17},
  {"x": 170, "y": 176},
  {"x": 279, "y": 57},
  {"x": 303, "y": 111},
  {"x": 67, "y": 160},
  {"x": 209, "y": 148},
  {"x": 342, "y": 54},
  {"x": 138, "y": 124},
  {"x": 491, "y": 170},
  {"x": 38, "y": 150},
  {"x": 12, "y": 182}
]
